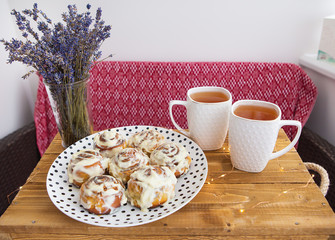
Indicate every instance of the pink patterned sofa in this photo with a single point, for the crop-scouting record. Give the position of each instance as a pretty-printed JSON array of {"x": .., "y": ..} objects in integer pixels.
[{"x": 138, "y": 93}]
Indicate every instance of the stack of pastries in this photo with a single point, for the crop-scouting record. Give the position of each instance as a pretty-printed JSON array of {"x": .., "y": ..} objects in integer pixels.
[{"x": 142, "y": 170}]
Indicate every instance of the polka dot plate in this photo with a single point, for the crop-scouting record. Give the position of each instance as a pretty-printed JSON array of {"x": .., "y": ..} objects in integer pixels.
[{"x": 65, "y": 196}]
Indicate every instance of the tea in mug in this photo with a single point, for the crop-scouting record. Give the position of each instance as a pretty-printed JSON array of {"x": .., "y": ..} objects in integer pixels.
[
  {"x": 209, "y": 97},
  {"x": 254, "y": 112}
]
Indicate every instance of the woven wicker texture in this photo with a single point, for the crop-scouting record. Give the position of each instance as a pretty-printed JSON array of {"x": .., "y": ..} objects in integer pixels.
[
  {"x": 18, "y": 157},
  {"x": 138, "y": 93},
  {"x": 313, "y": 148}
]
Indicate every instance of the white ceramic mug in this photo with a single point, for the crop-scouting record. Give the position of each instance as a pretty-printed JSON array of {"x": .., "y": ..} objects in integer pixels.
[
  {"x": 207, "y": 122},
  {"x": 252, "y": 141}
]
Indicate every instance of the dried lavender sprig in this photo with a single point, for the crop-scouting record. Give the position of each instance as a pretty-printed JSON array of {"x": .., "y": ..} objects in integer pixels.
[{"x": 61, "y": 52}]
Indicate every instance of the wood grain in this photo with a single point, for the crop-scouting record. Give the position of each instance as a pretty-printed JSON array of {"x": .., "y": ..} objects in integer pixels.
[{"x": 279, "y": 203}]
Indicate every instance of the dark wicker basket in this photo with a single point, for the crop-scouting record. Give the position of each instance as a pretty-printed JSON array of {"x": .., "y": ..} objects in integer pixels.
[
  {"x": 18, "y": 157},
  {"x": 313, "y": 148}
]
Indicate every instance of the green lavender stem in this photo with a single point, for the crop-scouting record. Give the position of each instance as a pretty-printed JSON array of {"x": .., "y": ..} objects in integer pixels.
[{"x": 71, "y": 110}]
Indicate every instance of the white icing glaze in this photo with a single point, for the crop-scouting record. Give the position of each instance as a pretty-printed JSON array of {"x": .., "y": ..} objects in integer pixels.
[
  {"x": 172, "y": 155},
  {"x": 105, "y": 188},
  {"x": 151, "y": 182},
  {"x": 105, "y": 162},
  {"x": 128, "y": 159},
  {"x": 86, "y": 161},
  {"x": 109, "y": 143},
  {"x": 146, "y": 140}
]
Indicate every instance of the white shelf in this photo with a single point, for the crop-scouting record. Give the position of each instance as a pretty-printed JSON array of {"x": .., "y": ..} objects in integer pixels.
[{"x": 310, "y": 61}]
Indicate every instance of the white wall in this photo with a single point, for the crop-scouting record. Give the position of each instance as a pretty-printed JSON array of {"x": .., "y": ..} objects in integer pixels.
[
  {"x": 177, "y": 30},
  {"x": 16, "y": 95},
  {"x": 322, "y": 118}
]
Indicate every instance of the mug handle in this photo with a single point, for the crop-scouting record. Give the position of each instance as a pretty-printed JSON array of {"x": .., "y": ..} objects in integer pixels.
[
  {"x": 295, "y": 140},
  {"x": 177, "y": 102}
]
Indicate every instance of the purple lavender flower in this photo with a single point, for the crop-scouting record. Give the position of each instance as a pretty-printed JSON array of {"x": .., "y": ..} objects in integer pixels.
[
  {"x": 62, "y": 52},
  {"x": 98, "y": 15}
]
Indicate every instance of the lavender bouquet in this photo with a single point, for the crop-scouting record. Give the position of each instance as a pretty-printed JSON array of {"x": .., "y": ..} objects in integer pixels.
[{"x": 63, "y": 54}]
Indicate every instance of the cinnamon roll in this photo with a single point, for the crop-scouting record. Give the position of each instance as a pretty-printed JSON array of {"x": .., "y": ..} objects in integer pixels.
[
  {"x": 128, "y": 160},
  {"x": 151, "y": 186},
  {"x": 172, "y": 155},
  {"x": 146, "y": 140},
  {"x": 85, "y": 164},
  {"x": 102, "y": 194},
  {"x": 109, "y": 143}
]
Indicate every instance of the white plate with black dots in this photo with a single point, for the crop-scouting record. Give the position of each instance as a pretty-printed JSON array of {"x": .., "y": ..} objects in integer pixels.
[{"x": 65, "y": 196}]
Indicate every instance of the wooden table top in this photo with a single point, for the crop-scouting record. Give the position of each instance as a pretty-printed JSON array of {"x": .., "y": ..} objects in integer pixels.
[{"x": 280, "y": 202}]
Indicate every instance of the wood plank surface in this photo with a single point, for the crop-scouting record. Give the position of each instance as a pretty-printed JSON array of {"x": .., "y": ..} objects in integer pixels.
[
  {"x": 280, "y": 202},
  {"x": 155, "y": 237}
]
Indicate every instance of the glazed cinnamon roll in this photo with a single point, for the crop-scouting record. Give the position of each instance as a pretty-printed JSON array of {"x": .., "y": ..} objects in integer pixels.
[
  {"x": 151, "y": 186},
  {"x": 128, "y": 160},
  {"x": 102, "y": 194},
  {"x": 172, "y": 155},
  {"x": 109, "y": 143},
  {"x": 85, "y": 164},
  {"x": 146, "y": 140}
]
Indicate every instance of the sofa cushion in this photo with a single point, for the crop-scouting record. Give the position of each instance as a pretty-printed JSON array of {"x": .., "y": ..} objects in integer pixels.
[{"x": 138, "y": 93}]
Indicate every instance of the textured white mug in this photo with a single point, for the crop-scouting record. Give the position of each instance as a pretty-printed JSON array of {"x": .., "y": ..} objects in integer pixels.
[
  {"x": 252, "y": 141},
  {"x": 207, "y": 122}
]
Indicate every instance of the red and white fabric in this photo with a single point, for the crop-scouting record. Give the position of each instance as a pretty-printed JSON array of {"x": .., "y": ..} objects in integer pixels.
[{"x": 138, "y": 93}]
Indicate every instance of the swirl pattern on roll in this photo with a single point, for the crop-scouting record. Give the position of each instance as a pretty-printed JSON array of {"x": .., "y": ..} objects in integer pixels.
[
  {"x": 102, "y": 194},
  {"x": 109, "y": 143},
  {"x": 151, "y": 186},
  {"x": 146, "y": 140},
  {"x": 172, "y": 155},
  {"x": 128, "y": 160},
  {"x": 85, "y": 164}
]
